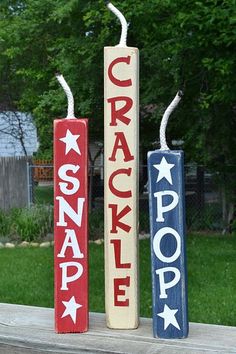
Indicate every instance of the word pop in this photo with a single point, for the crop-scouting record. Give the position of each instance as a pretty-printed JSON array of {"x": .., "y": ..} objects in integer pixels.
[
  {"x": 167, "y": 224},
  {"x": 121, "y": 186},
  {"x": 71, "y": 225}
]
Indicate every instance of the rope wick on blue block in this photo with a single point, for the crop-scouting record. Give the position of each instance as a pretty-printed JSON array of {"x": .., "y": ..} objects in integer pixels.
[{"x": 165, "y": 119}]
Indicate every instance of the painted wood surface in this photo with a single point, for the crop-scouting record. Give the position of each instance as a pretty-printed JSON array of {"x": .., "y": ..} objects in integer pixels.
[
  {"x": 71, "y": 225},
  {"x": 168, "y": 253},
  {"x": 121, "y": 109},
  {"x": 26, "y": 329}
]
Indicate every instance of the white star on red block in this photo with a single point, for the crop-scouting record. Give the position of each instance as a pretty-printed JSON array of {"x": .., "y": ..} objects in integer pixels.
[
  {"x": 71, "y": 308},
  {"x": 71, "y": 142},
  {"x": 169, "y": 317},
  {"x": 164, "y": 170}
]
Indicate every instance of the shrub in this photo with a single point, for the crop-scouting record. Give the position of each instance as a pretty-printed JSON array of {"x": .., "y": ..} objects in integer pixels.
[
  {"x": 27, "y": 224},
  {"x": 96, "y": 224},
  {"x": 144, "y": 225},
  {"x": 208, "y": 218},
  {"x": 233, "y": 227},
  {"x": 34, "y": 223},
  {"x": 5, "y": 223}
]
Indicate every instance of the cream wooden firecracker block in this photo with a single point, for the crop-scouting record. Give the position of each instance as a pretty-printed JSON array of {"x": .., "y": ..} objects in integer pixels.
[{"x": 121, "y": 154}]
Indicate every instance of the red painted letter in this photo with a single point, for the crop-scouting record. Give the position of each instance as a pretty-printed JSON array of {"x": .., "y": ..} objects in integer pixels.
[
  {"x": 116, "y": 192},
  {"x": 118, "y": 292},
  {"x": 121, "y": 143},
  {"x": 121, "y": 83},
  {"x": 119, "y": 114},
  {"x": 117, "y": 251},
  {"x": 116, "y": 218}
]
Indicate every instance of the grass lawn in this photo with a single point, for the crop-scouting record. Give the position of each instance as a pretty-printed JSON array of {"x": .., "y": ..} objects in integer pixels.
[{"x": 26, "y": 277}]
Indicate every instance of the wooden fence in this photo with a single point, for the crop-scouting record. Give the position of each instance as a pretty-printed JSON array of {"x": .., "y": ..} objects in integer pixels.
[{"x": 13, "y": 182}]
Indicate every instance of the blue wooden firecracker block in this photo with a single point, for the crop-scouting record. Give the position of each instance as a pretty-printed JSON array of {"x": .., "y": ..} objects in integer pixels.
[{"x": 168, "y": 251}]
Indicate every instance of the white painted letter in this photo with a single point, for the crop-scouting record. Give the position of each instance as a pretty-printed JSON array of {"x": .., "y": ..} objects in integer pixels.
[
  {"x": 65, "y": 208},
  {"x": 157, "y": 244},
  {"x": 65, "y": 278},
  {"x": 75, "y": 182},
  {"x": 163, "y": 209},
  {"x": 164, "y": 286},
  {"x": 71, "y": 241}
]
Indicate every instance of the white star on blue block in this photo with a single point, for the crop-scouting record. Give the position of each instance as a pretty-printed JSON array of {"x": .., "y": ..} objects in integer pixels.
[
  {"x": 71, "y": 308},
  {"x": 169, "y": 317},
  {"x": 164, "y": 170},
  {"x": 71, "y": 142}
]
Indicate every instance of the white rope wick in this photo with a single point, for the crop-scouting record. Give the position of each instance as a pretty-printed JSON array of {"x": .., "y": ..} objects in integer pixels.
[
  {"x": 124, "y": 24},
  {"x": 70, "y": 98},
  {"x": 165, "y": 119}
]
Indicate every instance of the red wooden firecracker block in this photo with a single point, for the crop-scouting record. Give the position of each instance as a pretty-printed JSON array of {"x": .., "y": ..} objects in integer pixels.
[
  {"x": 121, "y": 186},
  {"x": 71, "y": 225}
]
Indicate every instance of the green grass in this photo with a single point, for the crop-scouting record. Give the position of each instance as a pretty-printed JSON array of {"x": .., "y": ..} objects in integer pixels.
[
  {"x": 43, "y": 195},
  {"x": 26, "y": 277},
  {"x": 212, "y": 279}
]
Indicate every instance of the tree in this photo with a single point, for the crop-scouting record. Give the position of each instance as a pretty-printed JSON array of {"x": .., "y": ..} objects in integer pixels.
[
  {"x": 14, "y": 127},
  {"x": 20, "y": 132}
]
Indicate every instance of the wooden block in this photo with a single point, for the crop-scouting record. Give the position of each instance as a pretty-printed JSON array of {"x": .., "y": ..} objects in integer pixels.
[
  {"x": 71, "y": 225},
  {"x": 167, "y": 223},
  {"x": 121, "y": 94}
]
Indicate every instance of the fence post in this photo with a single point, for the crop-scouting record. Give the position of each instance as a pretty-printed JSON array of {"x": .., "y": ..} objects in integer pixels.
[{"x": 28, "y": 184}]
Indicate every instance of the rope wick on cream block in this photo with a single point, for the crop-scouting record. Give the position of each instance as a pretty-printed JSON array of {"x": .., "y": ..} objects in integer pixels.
[{"x": 124, "y": 24}]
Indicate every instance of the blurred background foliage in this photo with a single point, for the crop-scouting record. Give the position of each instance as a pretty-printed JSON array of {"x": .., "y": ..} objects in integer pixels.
[{"x": 183, "y": 45}]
